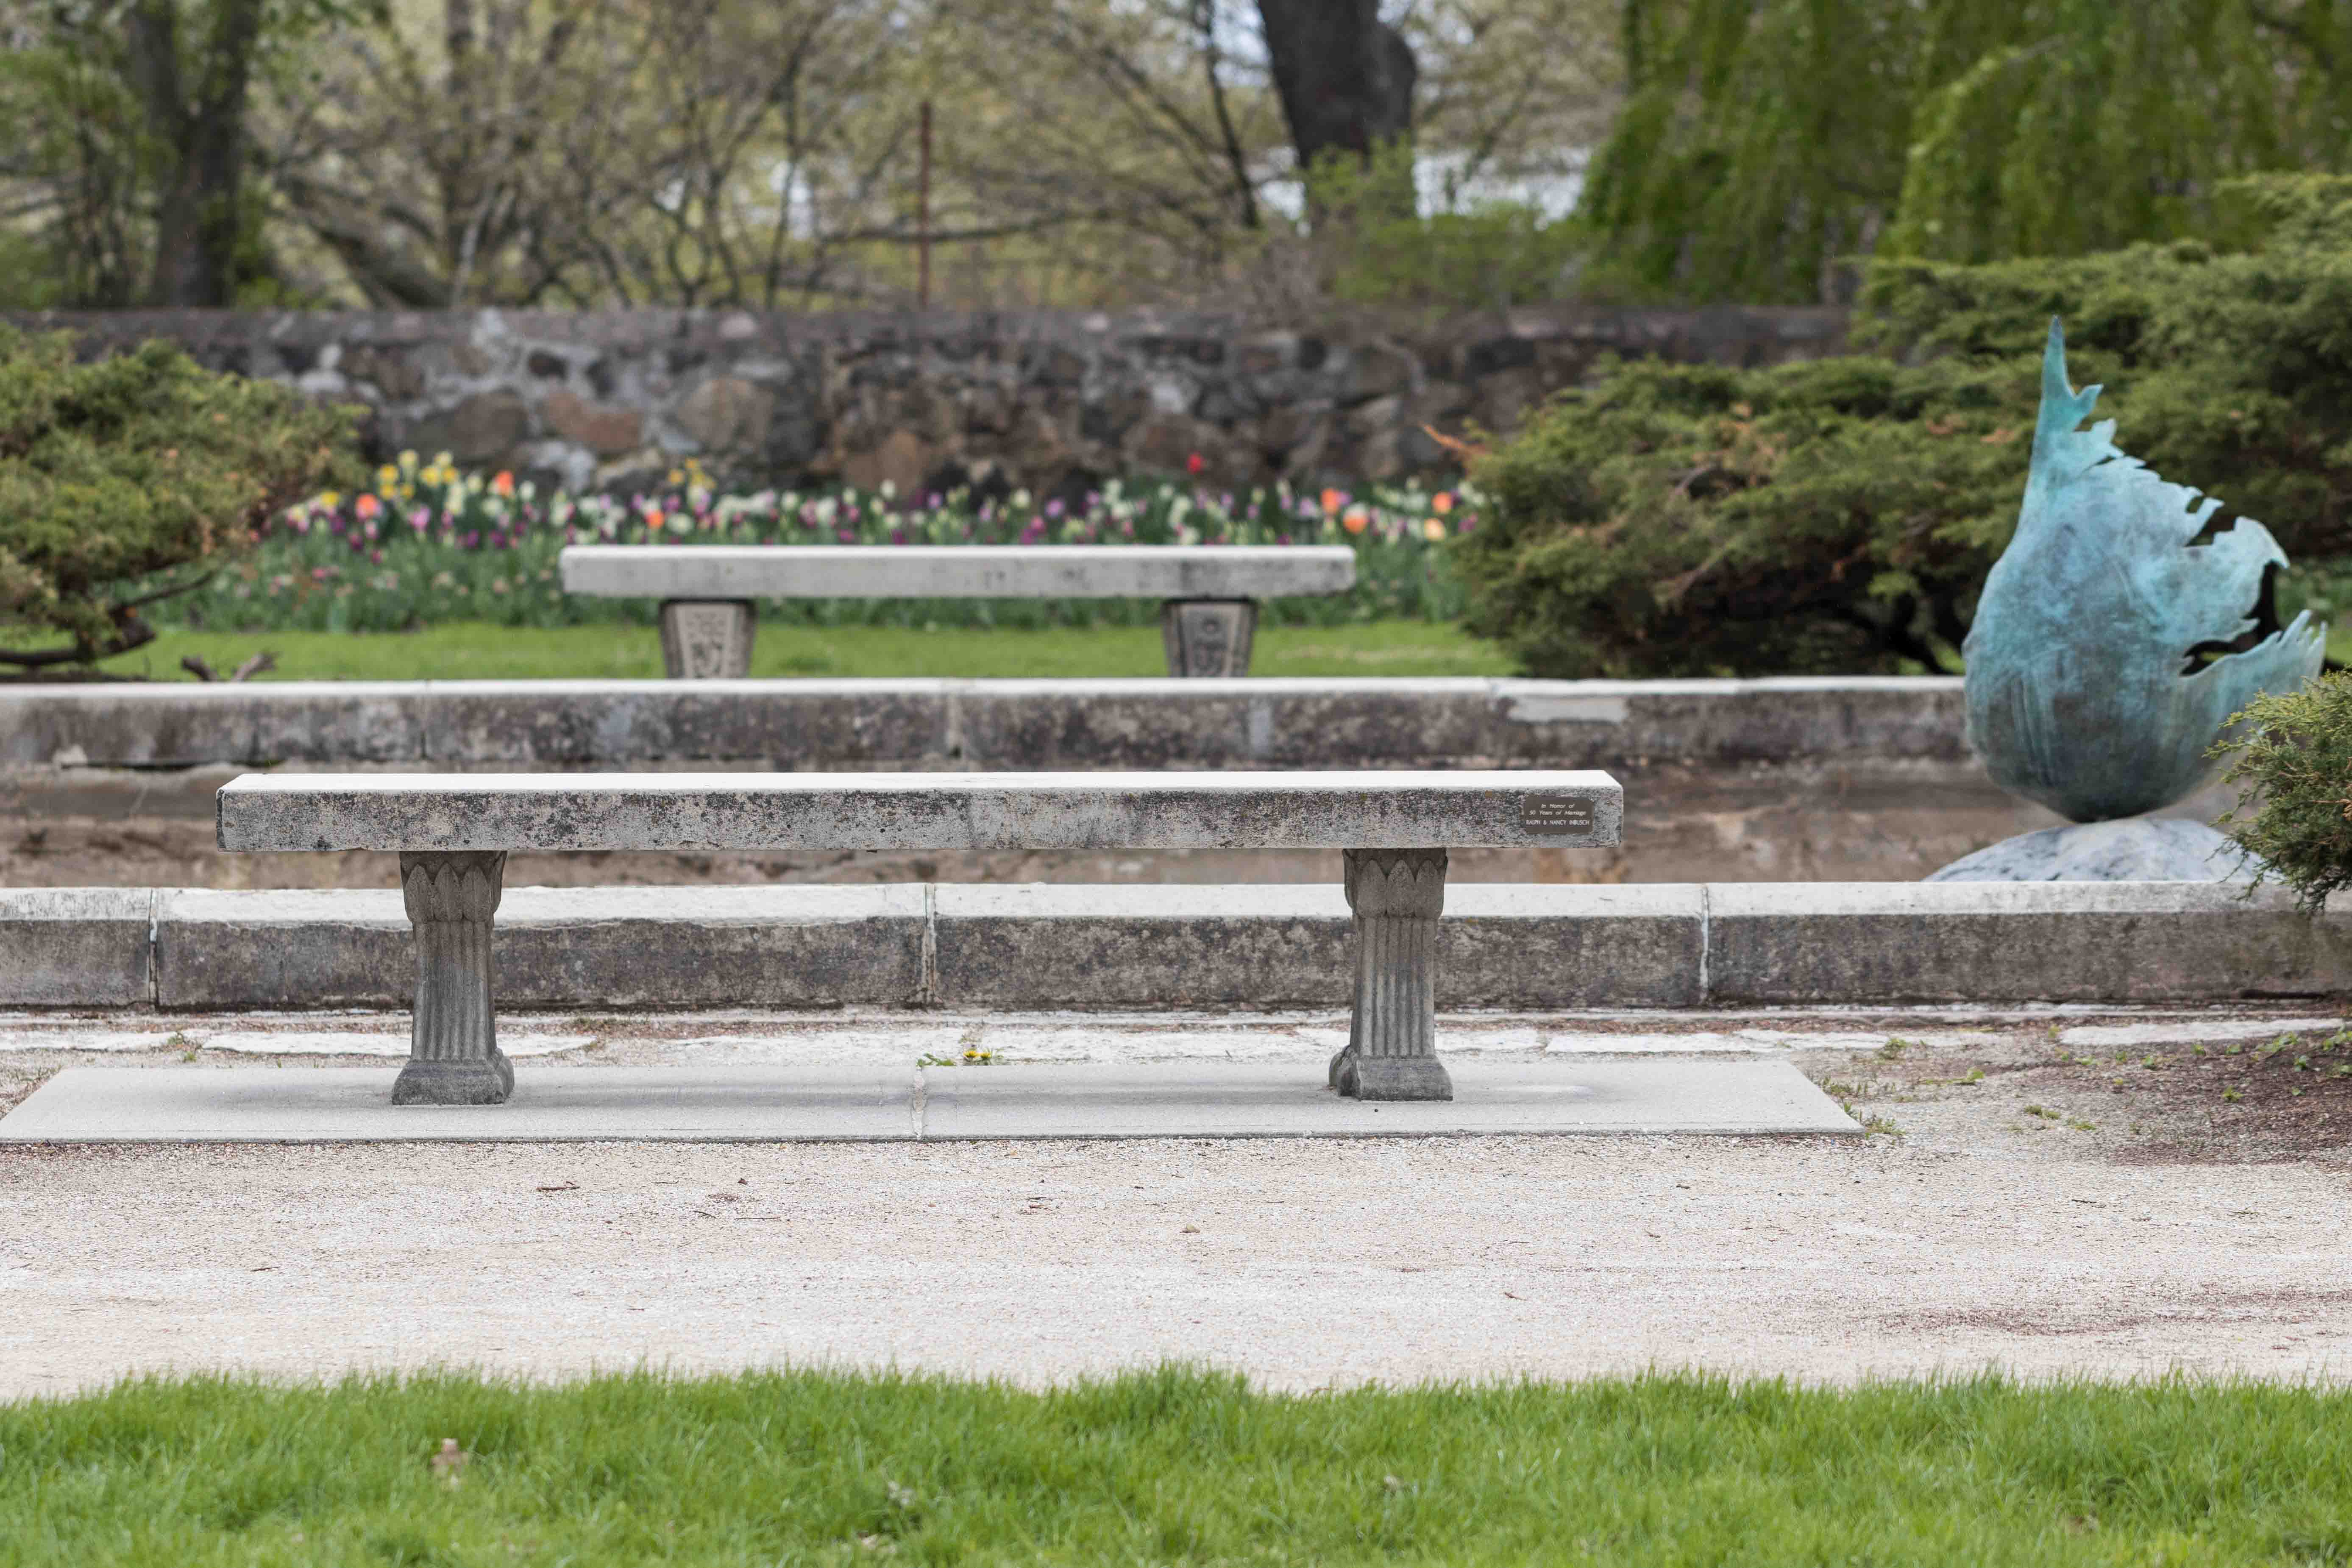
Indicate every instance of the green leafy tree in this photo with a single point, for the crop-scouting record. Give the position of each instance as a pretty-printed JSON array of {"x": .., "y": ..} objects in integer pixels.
[
  {"x": 1764, "y": 141},
  {"x": 126, "y": 480},
  {"x": 134, "y": 169}
]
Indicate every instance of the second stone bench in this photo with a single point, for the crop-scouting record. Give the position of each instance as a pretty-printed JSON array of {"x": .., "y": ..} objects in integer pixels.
[
  {"x": 453, "y": 833},
  {"x": 1208, "y": 593}
]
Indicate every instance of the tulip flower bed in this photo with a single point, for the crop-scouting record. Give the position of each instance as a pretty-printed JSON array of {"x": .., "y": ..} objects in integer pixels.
[{"x": 429, "y": 545}]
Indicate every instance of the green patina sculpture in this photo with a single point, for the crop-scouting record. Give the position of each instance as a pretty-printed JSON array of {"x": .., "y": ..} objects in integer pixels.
[{"x": 2107, "y": 649}]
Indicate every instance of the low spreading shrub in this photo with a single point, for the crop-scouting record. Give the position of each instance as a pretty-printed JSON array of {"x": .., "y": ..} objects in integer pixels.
[
  {"x": 1839, "y": 516},
  {"x": 1679, "y": 520},
  {"x": 128, "y": 480},
  {"x": 426, "y": 544}
]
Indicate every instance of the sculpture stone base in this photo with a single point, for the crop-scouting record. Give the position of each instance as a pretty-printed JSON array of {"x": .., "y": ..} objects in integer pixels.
[
  {"x": 453, "y": 1042},
  {"x": 707, "y": 639},
  {"x": 1397, "y": 895},
  {"x": 2135, "y": 850},
  {"x": 1208, "y": 637}
]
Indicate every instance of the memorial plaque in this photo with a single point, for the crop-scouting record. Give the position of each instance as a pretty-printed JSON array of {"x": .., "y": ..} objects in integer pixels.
[{"x": 1555, "y": 816}]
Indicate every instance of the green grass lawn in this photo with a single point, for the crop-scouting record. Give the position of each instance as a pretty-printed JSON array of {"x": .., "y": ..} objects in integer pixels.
[
  {"x": 1175, "y": 1467},
  {"x": 474, "y": 650},
  {"x": 479, "y": 651}
]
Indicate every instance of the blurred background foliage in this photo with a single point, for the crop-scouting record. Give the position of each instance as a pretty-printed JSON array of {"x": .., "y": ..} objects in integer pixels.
[
  {"x": 1467, "y": 154},
  {"x": 1086, "y": 153}
]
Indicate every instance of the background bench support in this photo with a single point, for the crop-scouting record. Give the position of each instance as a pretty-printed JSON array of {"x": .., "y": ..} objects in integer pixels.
[
  {"x": 1208, "y": 637},
  {"x": 1392, "y": 1053},
  {"x": 453, "y": 1044},
  {"x": 707, "y": 639}
]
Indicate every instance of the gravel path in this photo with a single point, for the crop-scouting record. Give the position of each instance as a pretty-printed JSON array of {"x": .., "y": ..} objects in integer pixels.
[{"x": 2093, "y": 1232}]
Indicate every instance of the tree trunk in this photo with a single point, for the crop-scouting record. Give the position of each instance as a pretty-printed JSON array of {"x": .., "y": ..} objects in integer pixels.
[
  {"x": 200, "y": 127},
  {"x": 1345, "y": 79}
]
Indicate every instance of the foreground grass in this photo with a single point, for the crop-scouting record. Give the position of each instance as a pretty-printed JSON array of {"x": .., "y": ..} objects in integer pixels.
[
  {"x": 1178, "y": 1466},
  {"x": 477, "y": 652}
]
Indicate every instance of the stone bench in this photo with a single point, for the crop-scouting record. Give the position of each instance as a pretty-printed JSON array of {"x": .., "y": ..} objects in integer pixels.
[
  {"x": 453, "y": 833},
  {"x": 1209, "y": 593}
]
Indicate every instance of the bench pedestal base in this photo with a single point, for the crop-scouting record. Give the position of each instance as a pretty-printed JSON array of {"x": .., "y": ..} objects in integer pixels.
[
  {"x": 707, "y": 639},
  {"x": 452, "y": 899},
  {"x": 455, "y": 1083},
  {"x": 1208, "y": 637},
  {"x": 453, "y": 1043},
  {"x": 1397, "y": 895}
]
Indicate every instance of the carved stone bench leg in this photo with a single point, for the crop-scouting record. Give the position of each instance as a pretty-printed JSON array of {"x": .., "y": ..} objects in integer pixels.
[
  {"x": 707, "y": 639},
  {"x": 1392, "y": 1053},
  {"x": 1208, "y": 637},
  {"x": 453, "y": 1045}
]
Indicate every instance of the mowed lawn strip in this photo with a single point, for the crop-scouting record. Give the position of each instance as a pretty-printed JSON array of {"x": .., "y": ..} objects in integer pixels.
[
  {"x": 1177, "y": 1466},
  {"x": 474, "y": 650}
]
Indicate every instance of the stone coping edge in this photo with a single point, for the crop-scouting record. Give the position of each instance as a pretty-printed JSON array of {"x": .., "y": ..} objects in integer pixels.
[
  {"x": 943, "y": 725},
  {"x": 1054, "y": 946}
]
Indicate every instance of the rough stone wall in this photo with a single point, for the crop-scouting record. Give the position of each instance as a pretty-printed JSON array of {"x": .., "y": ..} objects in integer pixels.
[{"x": 1056, "y": 403}]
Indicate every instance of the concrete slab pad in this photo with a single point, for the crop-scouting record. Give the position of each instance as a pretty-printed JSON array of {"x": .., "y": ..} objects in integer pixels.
[
  {"x": 2183, "y": 1032},
  {"x": 355, "y": 1043},
  {"x": 267, "y": 1042},
  {"x": 354, "y": 1105},
  {"x": 758, "y": 1103},
  {"x": 1265, "y": 1100},
  {"x": 1736, "y": 1041},
  {"x": 86, "y": 1040}
]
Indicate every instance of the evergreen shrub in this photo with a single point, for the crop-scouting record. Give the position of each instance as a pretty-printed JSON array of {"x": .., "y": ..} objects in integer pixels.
[
  {"x": 2292, "y": 762},
  {"x": 130, "y": 480},
  {"x": 1839, "y": 516}
]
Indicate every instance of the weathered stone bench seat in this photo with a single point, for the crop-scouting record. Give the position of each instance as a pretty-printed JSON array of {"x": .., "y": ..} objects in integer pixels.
[
  {"x": 454, "y": 831},
  {"x": 1209, "y": 593}
]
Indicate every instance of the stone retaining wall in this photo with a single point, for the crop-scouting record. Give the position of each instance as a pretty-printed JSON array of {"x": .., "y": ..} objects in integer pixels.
[
  {"x": 1056, "y": 403},
  {"x": 1039, "y": 948},
  {"x": 931, "y": 724},
  {"x": 1779, "y": 780}
]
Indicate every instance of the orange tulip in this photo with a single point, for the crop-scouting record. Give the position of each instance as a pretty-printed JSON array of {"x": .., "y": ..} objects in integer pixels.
[
  {"x": 1355, "y": 520},
  {"x": 504, "y": 484},
  {"x": 1442, "y": 502},
  {"x": 1332, "y": 501},
  {"x": 367, "y": 506}
]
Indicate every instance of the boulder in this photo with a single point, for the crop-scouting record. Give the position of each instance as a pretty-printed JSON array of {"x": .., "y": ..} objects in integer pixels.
[
  {"x": 903, "y": 458},
  {"x": 480, "y": 430},
  {"x": 603, "y": 429},
  {"x": 726, "y": 414},
  {"x": 2135, "y": 849},
  {"x": 1376, "y": 371},
  {"x": 1167, "y": 443}
]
